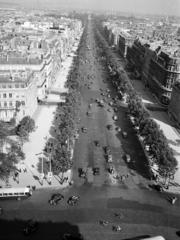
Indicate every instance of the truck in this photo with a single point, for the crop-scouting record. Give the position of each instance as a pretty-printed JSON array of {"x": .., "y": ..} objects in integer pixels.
[{"x": 89, "y": 175}]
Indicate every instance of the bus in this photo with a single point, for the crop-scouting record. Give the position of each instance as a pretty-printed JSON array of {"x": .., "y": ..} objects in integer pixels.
[{"x": 15, "y": 192}]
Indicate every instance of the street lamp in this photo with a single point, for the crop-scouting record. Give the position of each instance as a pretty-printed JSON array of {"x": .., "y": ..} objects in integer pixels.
[{"x": 42, "y": 170}]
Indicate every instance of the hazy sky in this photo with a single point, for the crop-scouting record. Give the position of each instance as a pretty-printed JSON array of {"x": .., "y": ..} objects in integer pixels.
[{"x": 134, "y": 6}]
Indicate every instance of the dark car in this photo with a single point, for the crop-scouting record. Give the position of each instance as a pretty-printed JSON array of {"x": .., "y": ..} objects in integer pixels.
[
  {"x": 96, "y": 171},
  {"x": 111, "y": 169},
  {"x": 107, "y": 150},
  {"x": 73, "y": 200},
  {"x": 84, "y": 130},
  {"x": 109, "y": 127},
  {"x": 97, "y": 144},
  {"x": 55, "y": 198},
  {"x": 31, "y": 227},
  {"x": 82, "y": 172}
]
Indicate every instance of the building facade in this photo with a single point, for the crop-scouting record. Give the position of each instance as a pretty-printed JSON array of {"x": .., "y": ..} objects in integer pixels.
[{"x": 174, "y": 106}]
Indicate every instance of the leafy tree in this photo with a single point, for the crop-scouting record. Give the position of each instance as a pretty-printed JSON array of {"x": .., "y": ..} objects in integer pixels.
[{"x": 25, "y": 126}]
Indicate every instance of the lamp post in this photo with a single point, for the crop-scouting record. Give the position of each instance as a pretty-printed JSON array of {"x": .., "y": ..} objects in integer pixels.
[{"x": 42, "y": 170}]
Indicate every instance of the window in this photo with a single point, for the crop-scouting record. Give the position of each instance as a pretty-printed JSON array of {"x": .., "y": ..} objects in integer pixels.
[
  {"x": 22, "y": 85},
  {"x": 23, "y": 103},
  {"x": 3, "y": 86},
  {"x": 10, "y": 95},
  {"x": 10, "y": 104},
  {"x": 9, "y": 86},
  {"x": 16, "y": 85},
  {"x": 4, "y": 95},
  {"x": 5, "y": 104}
]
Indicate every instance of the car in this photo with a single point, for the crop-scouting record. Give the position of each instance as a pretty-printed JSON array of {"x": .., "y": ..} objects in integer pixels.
[
  {"x": 55, "y": 198},
  {"x": 103, "y": 222},
  {"x": 107, "y": 150},
  {"x": 31, "y": 227},
  {"x": 97, "y": 144},
  {"x": 116, "y": 228},
  {"x": 89, "y": 113},
  {"x": 96, "y": 171},
  {"x": 108, "y": 95},
  {"x": 127, "y": 158},
  {"x": 82, "y": 173},
  {"x": 118, "y": 129},
  {"x": 109, "y": 158},
  {"x": 109, "y": 127},
  {"x": 84, "y": 130},
  {"x": 111, "y": 169},
  {"x": 124, "y": 134},
  {"x": 73, "y": 200},
  {"x": 109, "y": 110},
  {"x": 111, "y": 104},
  {"x": 115, "y": 117}
]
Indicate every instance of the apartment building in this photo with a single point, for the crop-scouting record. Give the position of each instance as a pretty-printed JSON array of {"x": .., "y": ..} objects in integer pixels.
[{"x": 18, "y": 95}]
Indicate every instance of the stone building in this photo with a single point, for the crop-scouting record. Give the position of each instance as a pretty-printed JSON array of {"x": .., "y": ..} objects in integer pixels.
[
  {"x": 164, "y": 71},
  {"x": 18, "y": 95}
]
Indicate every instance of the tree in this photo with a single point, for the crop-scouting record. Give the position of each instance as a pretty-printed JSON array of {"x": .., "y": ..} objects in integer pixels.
[{"x": 25, "y": 126}]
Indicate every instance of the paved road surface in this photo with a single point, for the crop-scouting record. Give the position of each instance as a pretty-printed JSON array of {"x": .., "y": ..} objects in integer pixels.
[{"x": 142, "y": 210}]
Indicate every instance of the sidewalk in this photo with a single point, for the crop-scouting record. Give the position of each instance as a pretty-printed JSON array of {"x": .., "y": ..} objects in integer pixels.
[{"x": 43, "y": 118}]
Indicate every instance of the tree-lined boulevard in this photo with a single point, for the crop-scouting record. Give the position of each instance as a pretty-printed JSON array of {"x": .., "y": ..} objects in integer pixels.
[{"x": 123, "y": 198}]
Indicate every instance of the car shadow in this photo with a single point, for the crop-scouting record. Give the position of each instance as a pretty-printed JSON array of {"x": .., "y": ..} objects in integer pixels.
[{"x": 13, "y": 229}]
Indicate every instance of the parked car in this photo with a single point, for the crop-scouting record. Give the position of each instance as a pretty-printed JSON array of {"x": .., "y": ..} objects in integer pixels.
[
  {"x": 96, "y": 171},
  {"x": 82, "y": 172},
  {"x": 31, "y": 227},
  {"x": 55, "y": 198}
]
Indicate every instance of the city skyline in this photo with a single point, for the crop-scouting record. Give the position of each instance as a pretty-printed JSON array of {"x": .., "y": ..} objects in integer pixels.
[{"x": 161, "y": 7}]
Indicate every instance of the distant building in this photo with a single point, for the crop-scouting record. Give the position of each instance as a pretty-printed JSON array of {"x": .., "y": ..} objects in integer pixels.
[{"x": 125, "y": 40}]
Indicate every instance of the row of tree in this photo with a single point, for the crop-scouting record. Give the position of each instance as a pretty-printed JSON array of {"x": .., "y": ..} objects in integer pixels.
[
  {"x": 159, "y": 151},
  {"x": 66, "y": 122},
  {"x": 11, "y": 148}
]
